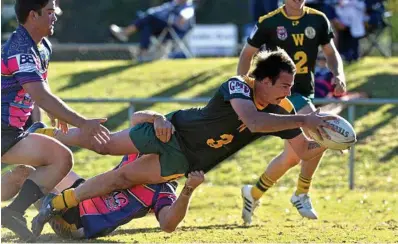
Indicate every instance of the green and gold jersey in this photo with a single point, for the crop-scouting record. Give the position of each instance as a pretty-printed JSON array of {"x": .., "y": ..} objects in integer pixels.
[
  {"x": 211, "y": 134},
  {"x": 299, "y": 36}
]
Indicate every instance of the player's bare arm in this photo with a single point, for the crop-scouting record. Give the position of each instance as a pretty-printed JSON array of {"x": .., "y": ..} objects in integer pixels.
[
  {"x": 164, "y": 129},
  {"x": 267, "y": 122},
  {"x": 245, "y": 58},
  {"x": 305, "y": 148},
  {"x": 335, "y": 64},
  {"x": 171, "y": 216},
  {"x": 55, "y": 106}
]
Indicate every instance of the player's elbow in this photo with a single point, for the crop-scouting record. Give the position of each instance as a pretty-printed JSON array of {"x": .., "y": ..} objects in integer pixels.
[
  {"x": 252, "y": 127},
  {"x": 168, "y": 227}
]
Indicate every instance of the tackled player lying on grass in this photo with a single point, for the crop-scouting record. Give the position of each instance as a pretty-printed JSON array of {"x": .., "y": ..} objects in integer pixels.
[{"x": 99, "y": 216}]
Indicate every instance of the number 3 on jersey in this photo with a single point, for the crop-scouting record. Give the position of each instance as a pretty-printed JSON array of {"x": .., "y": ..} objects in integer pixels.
[
  {"x": 225, "y": 139},
  {"x": 300, "y": 58}
]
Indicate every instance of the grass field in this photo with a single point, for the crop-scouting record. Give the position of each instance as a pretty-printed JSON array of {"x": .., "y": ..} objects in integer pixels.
[{"x": 367, "y": 214}]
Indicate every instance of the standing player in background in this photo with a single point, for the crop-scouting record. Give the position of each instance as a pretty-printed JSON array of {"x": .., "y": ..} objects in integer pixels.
[
  {"x": 300, "y": 31},
  {"x": 24, "y": 66}
]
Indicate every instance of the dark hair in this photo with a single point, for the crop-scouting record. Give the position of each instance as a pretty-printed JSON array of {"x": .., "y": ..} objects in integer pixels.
[
  {"x": 270, "y": 64},
  {"x": 23, "y": 8}
]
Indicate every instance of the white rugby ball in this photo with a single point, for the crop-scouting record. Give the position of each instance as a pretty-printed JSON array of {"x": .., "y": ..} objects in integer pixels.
[{"x": 342, "y": 138}]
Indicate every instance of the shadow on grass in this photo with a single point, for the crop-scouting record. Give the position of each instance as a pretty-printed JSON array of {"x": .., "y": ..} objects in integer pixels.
[
  {"x": 392, "y": 114},
  {"x": 389, "y": 155},
  {"x": 183, "y": 228},
  {"x": 118, "y": 118},
  {"x": 83, "y": 78},
  {"x": 382, "y": 85},
  {"x": 53, "y": 238}
]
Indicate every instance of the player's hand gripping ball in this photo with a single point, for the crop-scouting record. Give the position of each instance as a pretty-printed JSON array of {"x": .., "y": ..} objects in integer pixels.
[{"x": 341, "y": 138}]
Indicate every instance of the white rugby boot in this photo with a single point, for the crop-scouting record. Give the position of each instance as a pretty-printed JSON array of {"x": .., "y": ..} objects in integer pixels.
[
  {"x": 249, "y": 204},
  {"x": 304, "y": 206},
  {"x": 118, "y": 33}
]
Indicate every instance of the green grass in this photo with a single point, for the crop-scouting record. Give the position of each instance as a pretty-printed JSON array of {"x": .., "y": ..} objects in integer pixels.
[{"x": 367, "y": 214}]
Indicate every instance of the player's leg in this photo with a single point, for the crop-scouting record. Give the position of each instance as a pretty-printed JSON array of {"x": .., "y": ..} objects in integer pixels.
[
  {"x": 12, "y": 181},
  {"x": 66, "y": 224},
  {"x": 145, "y": 170},
  {"x": 162, "y": 162},
  {"x": 300, "y": 198},
  {"x": 277, "y": 168},
  {"x": 119, "y": 143},
  {"x": 52, "y": 161}
]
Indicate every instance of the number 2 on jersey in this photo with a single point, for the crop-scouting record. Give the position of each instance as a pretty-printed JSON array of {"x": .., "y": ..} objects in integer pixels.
[
  {"x": 301, "y": 60},
  {"x": 225, "y": 139}
]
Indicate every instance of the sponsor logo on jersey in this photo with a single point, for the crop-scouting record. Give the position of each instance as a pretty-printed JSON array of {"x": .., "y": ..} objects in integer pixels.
[
  {"x": 281, "y": 32},
  {"x": 115, "y": 201},
  {"x": 26, "y": 63},
  {"x": 238, "y": 87},
  {"x": 310, "y": 32}
]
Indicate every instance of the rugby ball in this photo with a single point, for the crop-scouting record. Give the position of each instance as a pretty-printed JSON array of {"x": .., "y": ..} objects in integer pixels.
[{"x": 342, "y": 138}]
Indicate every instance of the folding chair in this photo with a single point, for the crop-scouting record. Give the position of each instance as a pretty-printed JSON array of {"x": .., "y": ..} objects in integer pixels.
[
  {"x": 168, "y": 42},
  {"x": 375, "y": 33}
]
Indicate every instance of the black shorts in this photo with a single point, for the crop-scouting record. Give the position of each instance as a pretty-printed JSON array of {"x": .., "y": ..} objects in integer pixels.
[{"x": 10, "y": 136}]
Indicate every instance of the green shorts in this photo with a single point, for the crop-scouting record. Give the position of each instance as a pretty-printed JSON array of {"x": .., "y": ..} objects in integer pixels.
[
  {"x": 173, "y": 162},
  {"x": 299, "y": 101}
]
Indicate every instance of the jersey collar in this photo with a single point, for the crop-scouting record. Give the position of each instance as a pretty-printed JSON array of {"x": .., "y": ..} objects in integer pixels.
[
  {"x": 23, "y": 32},
  {"x": 305, "y": 10}
]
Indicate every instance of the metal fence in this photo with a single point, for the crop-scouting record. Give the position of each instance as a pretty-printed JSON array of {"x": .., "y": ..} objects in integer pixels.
[{"x": 351, "y": 105}]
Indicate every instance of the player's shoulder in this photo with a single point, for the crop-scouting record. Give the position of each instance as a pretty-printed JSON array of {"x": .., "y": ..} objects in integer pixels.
[
  {"x": 270, "y": 15},
  {"x": 17, "y": 44},
  {"x": 314, "y": 13},
  {"x": 286, "y": 105},
  {"x": 238, "y": 85}
]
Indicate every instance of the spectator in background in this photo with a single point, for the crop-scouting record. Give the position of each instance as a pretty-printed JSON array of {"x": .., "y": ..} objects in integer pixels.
[
  {"x": 324, "y": 87},
  {"x": 177, "y": 13},
  {"x": 328, "y": 8},
  {"x": 259, "y": 8},
  {"x": 351, "y": 14}
]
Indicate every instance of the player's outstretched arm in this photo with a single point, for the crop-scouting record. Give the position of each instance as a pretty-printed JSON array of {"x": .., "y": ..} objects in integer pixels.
[
  {"x": 55, "y": 106},
  {"x": 260, "y": 122},
  {"x": 171, "y": 216}
]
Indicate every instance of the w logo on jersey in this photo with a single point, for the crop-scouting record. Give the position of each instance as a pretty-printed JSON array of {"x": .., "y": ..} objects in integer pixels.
[{"x": 298, "y": 39}]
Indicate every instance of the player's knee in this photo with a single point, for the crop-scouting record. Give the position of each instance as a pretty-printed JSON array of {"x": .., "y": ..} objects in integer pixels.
[
  {"x": 289, "y": 159},
  {"x": 64, "y": 160},
  {"x": 21, "y": 172}
]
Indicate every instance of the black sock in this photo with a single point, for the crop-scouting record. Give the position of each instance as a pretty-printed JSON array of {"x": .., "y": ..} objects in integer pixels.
[{"x": 29, "y": 194}]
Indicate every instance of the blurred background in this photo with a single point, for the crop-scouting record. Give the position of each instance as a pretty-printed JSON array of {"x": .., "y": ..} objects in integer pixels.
[
  {"x": 100, "y": 71},
  {"x": 87, "y": 22}
]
